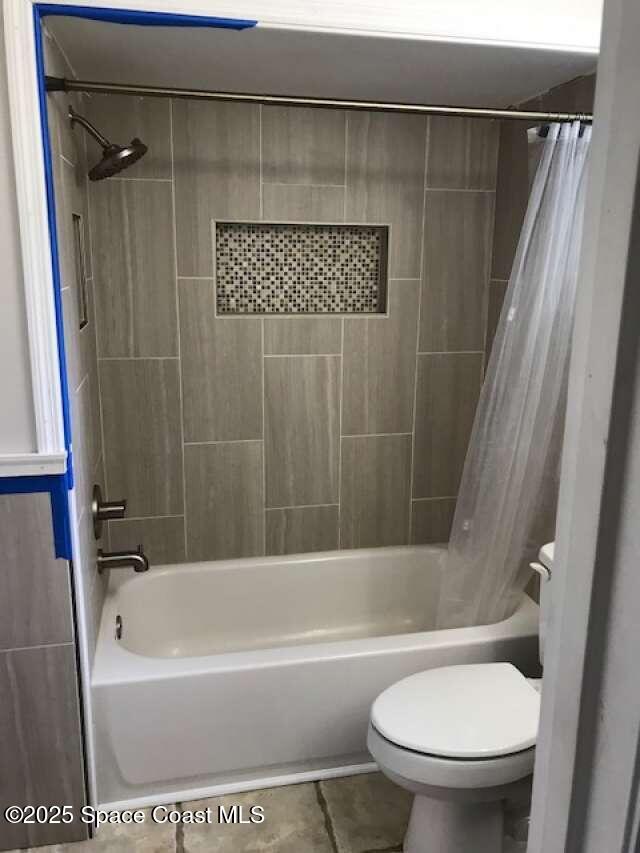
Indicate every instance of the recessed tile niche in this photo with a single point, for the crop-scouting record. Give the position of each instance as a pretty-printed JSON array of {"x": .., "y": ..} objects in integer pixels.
[{"x": 295, "y": 268}]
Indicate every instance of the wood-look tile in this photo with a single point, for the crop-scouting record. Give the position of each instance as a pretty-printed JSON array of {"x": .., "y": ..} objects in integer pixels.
[
  {"x": 217, "y": 174},
  {"x": 62, "y": 177},
  {"x": 162, "y": 539},
  {"x": 35, "y": 597},
  {"x": 302, "y": 146},
  {"x": 68, "y": 141},
  {"x": 385, "y": 180},
  {"x": 302, "y": 335},
  {"x": 447, "y": 394},
  {"x": 379, "y": 366},
  {"x": 71, "y": 198},
  {"x": 122, "y": 118},
  {"x": 94, "y": 585},
  {"x": 86, "y": 437},
  {"x": 462, "y": 153},
  {"x": 302, "y": 203},
  {"x": 431, "y": 520},
  {"x": 224, "y": 500},
  {"x": 457, "y": 246},
  {"x": 141, "y": 421},
  {"x": 300, "y": 530},
  {"x": 221, "y": 368},
  {"x": 133, "y": 253},
  {"x": 376, "y": 472},
  {"x": 512, "y": 196},
  {"x": 302, "y": 430},
  {"x": 497, "y": 291},
  {"x": 41, "y": 741}
]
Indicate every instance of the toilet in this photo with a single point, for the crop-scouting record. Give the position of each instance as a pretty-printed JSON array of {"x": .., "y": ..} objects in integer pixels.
[{"x": 462, "y": 740}]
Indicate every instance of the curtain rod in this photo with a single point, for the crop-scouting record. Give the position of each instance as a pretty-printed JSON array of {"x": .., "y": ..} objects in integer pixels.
[{"x": 60, "y": 84}]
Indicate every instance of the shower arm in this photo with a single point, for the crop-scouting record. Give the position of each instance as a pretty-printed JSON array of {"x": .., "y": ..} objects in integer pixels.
[{"x": 76, "y": 118}]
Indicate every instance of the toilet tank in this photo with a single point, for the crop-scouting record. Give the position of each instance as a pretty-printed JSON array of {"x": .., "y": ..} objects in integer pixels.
[{"x": 544, "y": 567}]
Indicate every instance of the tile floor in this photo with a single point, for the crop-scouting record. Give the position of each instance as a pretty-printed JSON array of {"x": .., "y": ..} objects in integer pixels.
[{"x": 356, "y": 814}]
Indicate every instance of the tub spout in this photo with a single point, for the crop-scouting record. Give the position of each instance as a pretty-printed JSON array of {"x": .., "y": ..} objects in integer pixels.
[{"x": 135, "y": 560}]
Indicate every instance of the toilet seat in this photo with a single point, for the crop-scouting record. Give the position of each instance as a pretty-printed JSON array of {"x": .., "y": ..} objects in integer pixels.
[
  {"x": 470, "y": 713},
  {"x": 482, "y": 776}
]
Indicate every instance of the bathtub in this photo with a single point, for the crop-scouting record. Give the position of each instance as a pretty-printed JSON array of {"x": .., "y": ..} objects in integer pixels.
[{"x": 239, "y": 674}]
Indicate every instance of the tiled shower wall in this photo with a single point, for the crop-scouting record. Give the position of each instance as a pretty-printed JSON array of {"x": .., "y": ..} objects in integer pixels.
[
  {"x": 69, "y": 159},
  {"x": 243, "y": 436}
]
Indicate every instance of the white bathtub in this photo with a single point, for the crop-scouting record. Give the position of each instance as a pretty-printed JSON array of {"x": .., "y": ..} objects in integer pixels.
[{"x": 247, "y": 673}]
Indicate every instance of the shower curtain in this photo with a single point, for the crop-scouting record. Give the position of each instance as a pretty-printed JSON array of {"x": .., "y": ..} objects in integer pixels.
[{"x": 508, "y": 492}]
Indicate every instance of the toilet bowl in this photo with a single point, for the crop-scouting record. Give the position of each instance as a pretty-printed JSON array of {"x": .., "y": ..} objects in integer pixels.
[{"x": 462, "y": 740}]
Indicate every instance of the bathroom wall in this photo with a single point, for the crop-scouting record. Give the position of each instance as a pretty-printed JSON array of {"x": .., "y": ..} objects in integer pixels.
[
  {"x": 40, "y": 734},
  {"x": 247, "y": 435},
  {"x": 70, "y": 180},
  {"x": 17, "y": 425}
]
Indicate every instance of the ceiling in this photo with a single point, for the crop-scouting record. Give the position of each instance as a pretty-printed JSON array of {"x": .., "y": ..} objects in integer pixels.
[{"x": 270, "y": 60}]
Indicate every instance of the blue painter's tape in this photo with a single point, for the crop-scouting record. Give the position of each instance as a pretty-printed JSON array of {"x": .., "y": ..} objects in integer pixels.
[
  {"x": 59, "y": 495},
  {"x": 25, "y": 485},
  {"x": 57, "y": 487},
  {"x": 145, "y": 19}
]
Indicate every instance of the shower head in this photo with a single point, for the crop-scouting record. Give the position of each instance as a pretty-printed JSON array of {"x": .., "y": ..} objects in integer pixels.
[{"x": 115, "y": 158}]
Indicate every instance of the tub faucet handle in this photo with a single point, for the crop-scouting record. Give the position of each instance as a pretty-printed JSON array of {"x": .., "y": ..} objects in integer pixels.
[
  {"x": 135, "y": 560},
  {"x": 104, "y": 510}
]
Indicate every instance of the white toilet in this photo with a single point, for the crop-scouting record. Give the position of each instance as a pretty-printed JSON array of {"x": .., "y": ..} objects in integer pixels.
[{"x": 462, "y": 739}]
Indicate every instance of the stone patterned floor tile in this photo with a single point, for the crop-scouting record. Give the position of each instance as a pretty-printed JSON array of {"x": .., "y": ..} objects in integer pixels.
[
  {"x": 147, "y": 837},
  {"x": 294, "y": 823},
  {"x": 367, "y": 812}
]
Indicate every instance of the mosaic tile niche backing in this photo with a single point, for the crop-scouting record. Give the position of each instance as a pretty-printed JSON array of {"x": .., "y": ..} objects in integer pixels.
[{"x": 280, "y": 268}]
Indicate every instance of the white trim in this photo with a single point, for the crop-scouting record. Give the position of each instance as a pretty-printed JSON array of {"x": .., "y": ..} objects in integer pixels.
[
  {"x": 80, "y": 577},
  {"x": 32, "y": 464},
  {"x": 28, "y": 158},
  {"x": 254, "y": 783}
]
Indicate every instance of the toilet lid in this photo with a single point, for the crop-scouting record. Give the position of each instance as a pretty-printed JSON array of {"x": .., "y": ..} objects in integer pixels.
[{"x": 470, "y": 711}]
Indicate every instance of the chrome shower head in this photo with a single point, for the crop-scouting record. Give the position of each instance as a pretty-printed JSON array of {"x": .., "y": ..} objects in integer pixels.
[{"x": 115, "y": 158}]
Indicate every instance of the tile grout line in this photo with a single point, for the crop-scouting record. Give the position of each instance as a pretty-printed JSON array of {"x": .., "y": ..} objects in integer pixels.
[
  {"x": 344, "y": 219},
  {"x": 299, "y": 506},
  {"x": 303, "y": 354},
  {"x": 328, "y": 823},
  {"x": 451, "y": 352},
  {"x": 118, "y": 521},
  {"x": 179, "y": 836},
  {"x": 340, "y": 435},
  {"x": 419, "y": 321},
  {"x": 435, "y": 498},
  {"x": 223, "y": 441},
  {"x": 457, "y": 189},
  {"x": 107, "y": 533},
  {"x": 262, "y": 353},
  {"x": 38, "y": 646},
  {"x": 147, "y": 180},
  {"x": 311, "y": 186},
  {"x": 178, "y": 335},
  {"x": 139, "y": 358},
  {"x": 373, "y": 434}
]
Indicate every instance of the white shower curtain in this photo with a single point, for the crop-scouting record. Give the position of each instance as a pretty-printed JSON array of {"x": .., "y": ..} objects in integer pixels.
[{"x": 507, "y": 496}]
